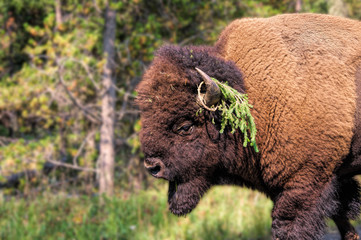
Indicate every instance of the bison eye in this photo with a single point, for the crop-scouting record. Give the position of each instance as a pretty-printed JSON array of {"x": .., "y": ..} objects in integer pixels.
[{"x": 184, "y": 128}]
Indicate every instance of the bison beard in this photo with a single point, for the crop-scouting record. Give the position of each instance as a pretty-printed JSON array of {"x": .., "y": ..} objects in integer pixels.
[
  {"x": 184, "y": 197},
  {"x": 300, "y": 74}
]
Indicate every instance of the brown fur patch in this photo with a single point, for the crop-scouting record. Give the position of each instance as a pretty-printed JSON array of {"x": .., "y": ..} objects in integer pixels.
[
  {"x": 352, "y": 163},
  {"x": 356, "y": 146}
]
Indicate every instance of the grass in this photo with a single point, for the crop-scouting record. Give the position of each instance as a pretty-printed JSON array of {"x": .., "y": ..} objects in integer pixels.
[{"x": 224, "y": 213}]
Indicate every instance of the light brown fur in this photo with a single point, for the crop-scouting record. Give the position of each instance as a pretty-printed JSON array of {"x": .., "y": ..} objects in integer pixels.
[{"x": 294, "y": 67}]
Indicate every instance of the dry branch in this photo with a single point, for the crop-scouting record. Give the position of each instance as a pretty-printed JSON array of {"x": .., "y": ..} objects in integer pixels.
[
  {"x": 89, "y": 115},
  {"x": 75, "y": 167}
]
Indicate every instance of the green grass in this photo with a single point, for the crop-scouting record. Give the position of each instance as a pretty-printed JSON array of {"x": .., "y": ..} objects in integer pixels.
[{"x": 224, "y": 213}]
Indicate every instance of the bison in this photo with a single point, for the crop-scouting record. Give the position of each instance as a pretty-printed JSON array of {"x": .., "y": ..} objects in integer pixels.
[{"x": 302, "y": 74}]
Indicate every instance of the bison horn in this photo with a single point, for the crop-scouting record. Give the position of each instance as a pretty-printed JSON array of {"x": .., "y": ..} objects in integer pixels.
[{"x": 213, "y": 93}]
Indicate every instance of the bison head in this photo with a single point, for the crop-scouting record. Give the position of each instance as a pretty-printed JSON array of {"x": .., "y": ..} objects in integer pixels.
[{"x": 180, "y": 145}]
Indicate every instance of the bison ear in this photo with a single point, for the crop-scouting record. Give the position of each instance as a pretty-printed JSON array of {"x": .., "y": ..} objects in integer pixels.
[{"x": 213, "y": 93}]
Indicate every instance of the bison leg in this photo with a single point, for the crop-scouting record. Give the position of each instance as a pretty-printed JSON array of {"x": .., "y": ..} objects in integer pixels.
[
  {"x": 345, "y": 228},
  {"x": 300, "y": 212},
  {"x": 348, "y": 192}
]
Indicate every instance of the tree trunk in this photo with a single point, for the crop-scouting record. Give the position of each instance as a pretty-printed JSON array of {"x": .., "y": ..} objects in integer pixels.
[
  {"x": 58, "y": 17},
  {"x": 298, "y": 7},
  {"x": 106, "y": 158}
]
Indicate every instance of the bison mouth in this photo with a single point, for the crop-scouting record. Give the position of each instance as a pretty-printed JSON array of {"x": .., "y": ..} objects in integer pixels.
[{"x": 184, "y": 197}]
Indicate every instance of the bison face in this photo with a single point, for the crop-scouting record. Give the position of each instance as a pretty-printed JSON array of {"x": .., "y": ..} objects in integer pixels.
[
  {"x": 180, "y": 145},
  {"x": 177, "y": 148}
]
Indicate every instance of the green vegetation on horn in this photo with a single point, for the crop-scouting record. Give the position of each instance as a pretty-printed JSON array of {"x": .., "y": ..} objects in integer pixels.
[{"x": 236, "y": 113}]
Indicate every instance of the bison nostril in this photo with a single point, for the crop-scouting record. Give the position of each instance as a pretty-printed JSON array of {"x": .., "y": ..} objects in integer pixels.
[
  {"x": 155, "y": 167},
  {"x": 154, "y": 170}
]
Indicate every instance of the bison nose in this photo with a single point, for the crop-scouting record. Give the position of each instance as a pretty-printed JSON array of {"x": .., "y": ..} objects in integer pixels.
[
  {"x": 154, "y": 170},
  {"x": 155, "y": 167}
]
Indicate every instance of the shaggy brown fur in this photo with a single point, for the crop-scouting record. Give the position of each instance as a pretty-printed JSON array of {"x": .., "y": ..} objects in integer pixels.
[{"x": 302, "y": 74}]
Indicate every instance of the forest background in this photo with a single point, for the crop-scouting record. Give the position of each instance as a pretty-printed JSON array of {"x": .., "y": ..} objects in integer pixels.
[{"x": 68, "y": 70}]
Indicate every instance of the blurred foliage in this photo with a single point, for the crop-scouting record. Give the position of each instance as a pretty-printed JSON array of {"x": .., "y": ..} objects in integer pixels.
[{"x": 51, "y": 65}]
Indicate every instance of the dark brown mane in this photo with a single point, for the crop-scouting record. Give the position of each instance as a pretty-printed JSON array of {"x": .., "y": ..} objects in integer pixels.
[
  {"x": 174, "y": 66},
  {"x": 204, "y": 57}
]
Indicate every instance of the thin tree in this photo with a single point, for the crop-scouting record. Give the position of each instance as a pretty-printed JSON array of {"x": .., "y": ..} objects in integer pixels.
[
  {"x": 298, "y": 7},
  {"x": 58, "y": 16},
  {"x": 106, "y": 157}
]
